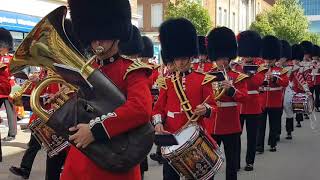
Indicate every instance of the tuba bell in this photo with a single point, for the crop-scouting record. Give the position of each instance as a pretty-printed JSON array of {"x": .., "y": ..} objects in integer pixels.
[{"x": 49, "y": 46}]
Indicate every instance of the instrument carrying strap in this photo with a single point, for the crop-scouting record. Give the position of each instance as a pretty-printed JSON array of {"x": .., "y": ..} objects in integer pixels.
[{"x": 184, "y": 102}]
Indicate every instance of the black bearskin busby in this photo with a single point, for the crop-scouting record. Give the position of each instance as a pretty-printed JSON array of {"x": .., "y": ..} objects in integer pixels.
[
  {"x": 178, "y": 38},
  {"x": 101, "y": 19},
  {"x": 135, "y": 44},
  {"x": 307, "y": 47},
  {"x": 249, "y": 44},
  {"x": 147, "y": 47},
  {"x": 222, "y": 44},
  {"x": 202, "y": 45},
  {"x": 285, "y": 49},
  {"x": 297, "y": 52},
  {"x": 6, "y": 40},
  {"x": 316, "y": 51},
  {"x": 271, "y": 48}
]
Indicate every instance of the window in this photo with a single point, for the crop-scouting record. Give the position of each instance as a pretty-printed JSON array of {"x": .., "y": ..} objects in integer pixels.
[
  {"x": 220, "y": 16},
  {"x": 156, "y": 14},
  {"x": 225, "y": 17},
  {"x": 140, "y": 13}
]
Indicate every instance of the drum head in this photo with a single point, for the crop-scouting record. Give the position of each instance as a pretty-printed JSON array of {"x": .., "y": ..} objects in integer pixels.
[{"x": 183, "y": 136}]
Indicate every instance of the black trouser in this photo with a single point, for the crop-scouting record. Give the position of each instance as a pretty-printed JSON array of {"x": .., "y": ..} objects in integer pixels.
[
  {"x": 144, "y": 166},
  {"x": 251, "y": 121},
  {"x": 54, "y": 166},
  {"x": 169, "y": 173},
  {"x": 30, "y": 154},
  {"x": 317, "y": 96},
  {"x": 231, "y": 145},
  {"x": 0, "y": 149},
  {"x": 299, "y": 117},
  {"x": 274, "y": 119},
  {"x": 289, "y": 125}
]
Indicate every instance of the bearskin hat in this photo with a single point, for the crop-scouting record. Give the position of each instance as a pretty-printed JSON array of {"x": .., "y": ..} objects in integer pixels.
[
  {"x": 202, "y": 45},
  {"x": 6, "y": 40},
  {"x": 101, "y": 19},
  {"x": 297, "y": 52},
  {"x": 316, "y": 51},
  {"x": 307, "y": 47},
  {"x": 134, "y": 45},
  {"x": 147, "y": 47},
  {"x": 249, "y": 44},
  {"x": 178, "y": 38},
  {"x": 285, "y": 49},
  {"x": 271, "y": 48},
  {"x": 222, "y": 44},
  {"x": 165, "y": 59}
]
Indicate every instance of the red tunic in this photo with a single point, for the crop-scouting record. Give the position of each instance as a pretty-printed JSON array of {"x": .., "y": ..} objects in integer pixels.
[
  {"x": 298, "y": 81},
  {"x": 5, "y": 85},
  {"x": 228, "y": 116},
  {"x": 273, "y": 95},
  {"x": 202, "y": 66},
  {"x": 168, "y": 105},
  {"x": 135, "y": 112}
]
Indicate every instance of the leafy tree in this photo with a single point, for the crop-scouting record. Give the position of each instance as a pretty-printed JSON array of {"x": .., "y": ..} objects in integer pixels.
[
  {"x": 313, "y": 37},
  {"x": 285, "y": 20},
  {"x": 193, "y": 11}
]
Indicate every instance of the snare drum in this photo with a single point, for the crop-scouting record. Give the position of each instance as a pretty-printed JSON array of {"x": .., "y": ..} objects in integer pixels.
[
  {"x": 302, "y": 103},
  {"x": 196, "y": 156}
]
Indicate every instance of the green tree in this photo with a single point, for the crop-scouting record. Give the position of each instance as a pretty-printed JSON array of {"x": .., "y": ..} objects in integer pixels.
[
  {"x": 193, "y": 11},
  {"x": 313, "y": 37},
  {"x": 285, "y": 20}
]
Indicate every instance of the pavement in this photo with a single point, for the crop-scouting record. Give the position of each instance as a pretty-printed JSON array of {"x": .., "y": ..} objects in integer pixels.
[{"x": 296, "y": 159}]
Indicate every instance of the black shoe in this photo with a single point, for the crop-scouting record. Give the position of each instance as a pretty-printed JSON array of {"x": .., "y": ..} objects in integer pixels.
[
  {"x": 299, "y": 125},
  {"x": 317, "y": 109},
  {"x": 273, "y": 149},
  {"x": 259, "y": 150},
  {"x": 158, "y": 158},
  {"x": 9, "y": 138},
  {"x": 249, "y": 167},
  {"x": 289, "y": 136},
  {"x": 306, "y": 116},
  {"x": 24, "y": 173}
]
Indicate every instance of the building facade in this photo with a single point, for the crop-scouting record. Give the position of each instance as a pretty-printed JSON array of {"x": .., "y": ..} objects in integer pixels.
[{"x": 312, "y": 11}]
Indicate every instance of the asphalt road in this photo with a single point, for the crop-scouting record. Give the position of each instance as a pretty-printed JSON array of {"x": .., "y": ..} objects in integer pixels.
[{"x": 298, "y": 159}]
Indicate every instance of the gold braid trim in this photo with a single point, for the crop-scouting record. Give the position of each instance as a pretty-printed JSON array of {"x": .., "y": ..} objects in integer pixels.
[
  {"x": 241, "y": 77},
  {"x": 261, "y": 68},
  {"x": 208, "y": 78},
  {"x": 284, "y": 71},
  {"x": 161, "y": 82},
  {"x": 137, "y": 64},
  {"x": 184, "y": 102}
]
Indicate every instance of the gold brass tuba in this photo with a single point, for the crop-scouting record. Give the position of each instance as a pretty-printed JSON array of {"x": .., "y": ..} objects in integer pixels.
[{"x": 47, "y": 45}]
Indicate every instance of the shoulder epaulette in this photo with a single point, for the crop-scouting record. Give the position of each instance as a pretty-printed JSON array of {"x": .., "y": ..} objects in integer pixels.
[
  {"x": 261, "y": 68},
  {"x": 214, "y": 65},
  {"x": 208, "y": 78},
  {"x": 284, "y": 71},
  {"x": 136, "y": 64},
  {"x": 155, "y": 66},
  {"x": 161, "y": 82},
  {"x": 241, "y": 77}
]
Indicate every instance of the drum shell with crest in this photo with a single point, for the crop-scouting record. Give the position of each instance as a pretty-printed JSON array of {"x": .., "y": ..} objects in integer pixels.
[{"x": 196, "y": 156}]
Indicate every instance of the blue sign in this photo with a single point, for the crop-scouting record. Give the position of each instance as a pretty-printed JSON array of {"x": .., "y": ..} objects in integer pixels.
[{"x": 17, "y": 22}]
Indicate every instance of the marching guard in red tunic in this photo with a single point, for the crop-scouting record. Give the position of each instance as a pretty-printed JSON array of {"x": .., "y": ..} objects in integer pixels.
[
  {"x": 101, "y": 25},
  {"x": 249, "y": 46},
  {"x": 202, "y": 63},
  {"x": 222, "y": 48},
  {"x": 316, "y": 75},
  {"x": 178, "y": 39},
  {"x": 275, "y": 80}
]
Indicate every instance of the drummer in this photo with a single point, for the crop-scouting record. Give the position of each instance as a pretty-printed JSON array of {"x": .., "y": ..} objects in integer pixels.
[
  {"x": 299, "y": 83},
  {"x": 178, "y": 39}
]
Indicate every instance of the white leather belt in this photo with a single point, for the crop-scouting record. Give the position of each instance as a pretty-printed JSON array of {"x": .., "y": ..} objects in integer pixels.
[
  {"x": 172, "y": 114},
  {"x": 272, "y": 88},
  {"x": 226, "y": 104},
  {"x": 253, "y": 92}
]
